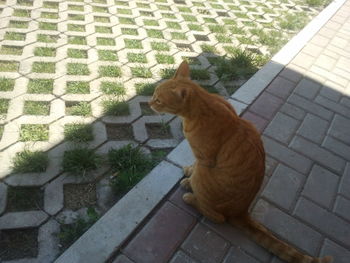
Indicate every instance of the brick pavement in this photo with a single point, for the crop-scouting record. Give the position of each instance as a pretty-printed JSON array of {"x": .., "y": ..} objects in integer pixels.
[{"x": 304, "y": 118}]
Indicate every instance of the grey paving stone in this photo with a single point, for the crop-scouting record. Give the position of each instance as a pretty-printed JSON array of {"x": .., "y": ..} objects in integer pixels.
[
  {"x": 317, "y": 153},
  {"x": 281, "y": 87},
  {"x": 286, "y": 155},
  {"x": 238, "y": 239},
  {"x": 204, "y": 244},
  {"x": 307, "y": 88},
  {"x": 287, "y": 227},
  {"x": 313, "y": 128},
  {"x": 340, "y": 128},
  {"x": 333, "y": 106},
  {"x": 283, "y": 186},
  {"x": 345, "y": 101},
  {"x": 321, "y": 186},
  {"x": 282, "y": 128},
  {"x": 48, "y": 241},
  {"x": 339, "y": 253},
  {"x": 309, "y": 106},
  {"x": 342, "y": 207},
  {"x": 332, "y": 91},
  {"x": 344, "y": 187},
  {"x": 22, "y": 219},
  {"x": 337, "y": 147},
  {"x": 326, "y": 222},
  {"x": 182, "y": 155},
  {"x": 237, "y": 255},
  {"x": 293, "y": 111},
  {"x": 181, "y": 257},
  {"x": 122, "y": 259}
]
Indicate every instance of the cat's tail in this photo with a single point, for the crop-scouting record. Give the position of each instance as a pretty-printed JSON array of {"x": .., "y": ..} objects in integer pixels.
[{"x": 266, "y": 239}]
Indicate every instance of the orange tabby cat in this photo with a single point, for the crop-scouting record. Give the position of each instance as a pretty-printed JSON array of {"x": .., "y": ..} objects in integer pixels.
[{"x": 230, "y": 160}]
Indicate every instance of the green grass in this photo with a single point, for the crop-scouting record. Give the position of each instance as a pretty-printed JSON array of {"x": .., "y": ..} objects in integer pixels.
[
  {"x": 167, "y": 73},
  {"x": 8, "y": 66},
  {"x": 77, "y": 53},
  {"x": 124, "y": 11},
  {"x": 115, "y": 108},
  {"x": 178, "y": 35},
  {"x": 293, "y": 21},
  {"x": 4, "y": 104},
  {"x": 52, "y": 5},
  {"x": 160, "y": 46},
  {"x": 131, "y": 165},
  {"x": 143, "y": 5},
  {"x": 6, "y": 84},
  {"x": 101, "y": 19},
  {"x": 30, "y": 162},
  {"x": 114, "y": 88},
  {"x": 184, "y": 9},
  {"x": 103, "y": 29},
  {"x": 76, "y": 40},
  {"x": 18, "y": 24},
  {"x": 109, "y": 71},
  {"x": 168, "y": 15},
  {"x": 71, "y": 232},
  {"x": 229, "y": 22},
  {"x": 1, "y": 131},
  {"x": 11, "y": 50},
  {"x": 78, "y": 108},
  {"x": 77, "y": 28},
  {"x": 208, "y": 49},
  {"x": 154, "y": 33},
  {"x": 210, "y": 20},
  {"x": 243, "y": 64},
  {"x": 173, "y": 25},
  {"x": 133, "y": 44},
  {"x": 36, "y": 108},
  {"x": 141, "y": 72},
  {"x": 103, "y": 41},
  {"x": 237, "y": 30},
  {"x": 47, "y": 26},
  {"x": 40, "y": 86},
  {"x": 45, "y": 52},
  {"x": 195, "y": 27},
  {"x": 165, "y": 59},
  {"x": 78, "y": 87},
  {"x": 77, "y": 69},
  {"x": 200, "y": 74},
  {"x": 78, "y": 132},
  {"x": 317, "y": 3},
  {"x": 80, "y": 160},
  {"x": 129, "y": 31},
  {"x": 76, "y": 17},
  {"x": 189, "y": 18},
  {"x": 145, "y": 89},
  {"x": 34, "y": 132},
  {"x": 137, "y": 58},
  {"x": 223, "y": 39},
  {"x": 21, "y": 13},
  {"x": 44, "y": 67},
  {"x": 15, "y": 36},
  {"x": 107, "y": 55},
  {"x": 127, "y": 21},
  {"x": 99, "y": 9},
  {"x": 217, "y": 29},
  {"x": 49, "y": 15},
  {"x": 24, "y": 2},
  {"x": 47, "y": 38},
  {"x": 150, "y": 22},
  {"x": 121, "y": 3},
  {"x": 76, "y": 8}
]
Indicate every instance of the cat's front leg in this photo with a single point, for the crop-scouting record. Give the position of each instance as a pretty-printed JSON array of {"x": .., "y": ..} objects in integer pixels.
[
  {"x": 186, "y": 184},
  {"x": 188, "y": 170}
]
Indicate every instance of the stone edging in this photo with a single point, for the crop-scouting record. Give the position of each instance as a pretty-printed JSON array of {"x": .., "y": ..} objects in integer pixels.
[{"x": 108, "y": 233}]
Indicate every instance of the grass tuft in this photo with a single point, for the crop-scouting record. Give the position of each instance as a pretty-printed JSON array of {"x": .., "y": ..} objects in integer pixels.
[
  {"x": 34, "y": 132},
  {"x": 82, "y": 108},
  {"x": 6, "y": 84},
  {"x": 36, "y": 108},
  {"x": 77, "y": 69},
  {"x": 44, "y": 67},
  {"x": 43, "y": 86},
  {"x": 109, "y": 71},
  {"x": 145, "y": 89},
  {"x": 80, "y": 160},
  {"x": 141, "y": 72},
  {"x": 4, "y": 104},
  {"x": 78, "y": 87},
  {"x": 114, "y": 88},
  {"x": 30, "y": 162},
  {"x": 78, "y": 132},
  {"x": 115, "y": 108}
]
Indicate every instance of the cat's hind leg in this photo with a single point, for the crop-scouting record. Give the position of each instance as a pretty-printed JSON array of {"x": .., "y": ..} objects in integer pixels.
[{"x": 190, "y": 198}]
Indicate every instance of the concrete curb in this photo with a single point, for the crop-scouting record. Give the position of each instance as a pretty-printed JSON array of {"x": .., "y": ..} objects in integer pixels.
[{"x": 105, "y": 236}]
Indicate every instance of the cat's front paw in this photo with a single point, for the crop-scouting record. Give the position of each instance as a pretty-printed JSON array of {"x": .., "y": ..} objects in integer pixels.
[
  {"x": 186, "y": 184},
  {"x": 189, "y": 199},
  {"x": 188, "y": 170}
]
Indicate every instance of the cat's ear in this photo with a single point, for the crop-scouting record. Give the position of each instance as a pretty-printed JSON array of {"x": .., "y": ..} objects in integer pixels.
[{"x": 183, "y": 71}]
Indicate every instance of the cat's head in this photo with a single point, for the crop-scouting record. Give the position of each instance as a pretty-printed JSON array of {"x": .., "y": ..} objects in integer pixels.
[{"x": 171, "y": 95}]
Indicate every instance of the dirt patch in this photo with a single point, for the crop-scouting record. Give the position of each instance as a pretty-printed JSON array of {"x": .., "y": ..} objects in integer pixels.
[
  {"x": 158, "y": 131},
  {"x": 18, "y": 243},
  {"x": 146, "y": 109},
  {"x": 24, "y": 199},
  {"x": 77, "y": 196},
  {"x": 119, "y": 131}
]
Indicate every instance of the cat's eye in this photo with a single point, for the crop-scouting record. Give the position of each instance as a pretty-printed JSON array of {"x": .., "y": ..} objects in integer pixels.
[{"x": 157, "y": 101}]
